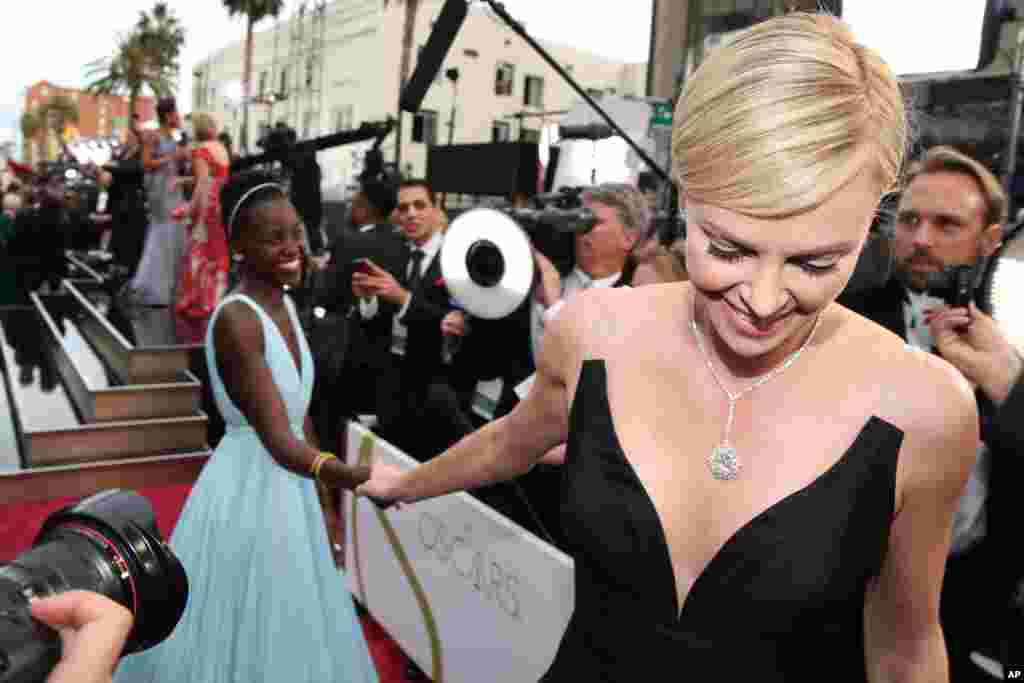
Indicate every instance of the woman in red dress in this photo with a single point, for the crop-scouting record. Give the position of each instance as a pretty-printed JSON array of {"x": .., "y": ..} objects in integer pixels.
[{"x": 204, "y": 273}]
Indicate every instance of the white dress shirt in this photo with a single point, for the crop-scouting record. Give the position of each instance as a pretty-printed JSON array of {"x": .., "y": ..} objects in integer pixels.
[{"x": 969, "y": 520}]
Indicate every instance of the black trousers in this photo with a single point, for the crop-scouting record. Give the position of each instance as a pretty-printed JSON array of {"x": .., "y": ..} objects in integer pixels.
[
  {"x": 420, "y": 415},
  {"x": 973, "y": 610}
]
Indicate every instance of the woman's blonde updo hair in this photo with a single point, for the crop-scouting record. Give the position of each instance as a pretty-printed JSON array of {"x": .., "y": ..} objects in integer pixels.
[
  {"x": 204, "y": 126},
  {"x": 774, "y": 122}
]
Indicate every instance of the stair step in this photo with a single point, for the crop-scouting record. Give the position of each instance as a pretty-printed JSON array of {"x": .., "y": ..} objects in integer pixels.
[
  {"x": 139, "y": 346},
  {"x": 98, "y": 394},
  {"x": 50, "y": 430}
]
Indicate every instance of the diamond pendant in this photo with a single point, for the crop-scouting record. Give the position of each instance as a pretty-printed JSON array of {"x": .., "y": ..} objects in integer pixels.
[{"x": 723, "y": 463}]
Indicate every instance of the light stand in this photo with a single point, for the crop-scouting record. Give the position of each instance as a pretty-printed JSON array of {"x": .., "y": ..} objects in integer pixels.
[
  {"x": 671, "y": 218},
  {"x": 499, "y": 9},
  {"x": 453, "y": 76}
]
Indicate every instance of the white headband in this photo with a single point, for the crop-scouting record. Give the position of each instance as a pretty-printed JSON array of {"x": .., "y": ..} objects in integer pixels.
[{"x": 249, "y": 193}]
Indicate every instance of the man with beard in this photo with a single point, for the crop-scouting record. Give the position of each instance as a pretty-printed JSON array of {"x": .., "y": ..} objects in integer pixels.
[{"x": 952, "y": 212}]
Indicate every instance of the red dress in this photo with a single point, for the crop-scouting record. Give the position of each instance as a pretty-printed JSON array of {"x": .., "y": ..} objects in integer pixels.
[{"x": 204, "y": 272}]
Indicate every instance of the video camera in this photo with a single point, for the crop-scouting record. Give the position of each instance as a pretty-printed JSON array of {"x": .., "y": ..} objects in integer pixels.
[
  {"x": 563, "y": 210},
  {"x": 956, "y": 285},
  {"x": 278, "y": 139},
  {"x": 108, "y": 544}
]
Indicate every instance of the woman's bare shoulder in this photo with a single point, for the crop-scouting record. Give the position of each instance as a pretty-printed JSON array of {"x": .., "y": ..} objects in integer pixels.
[
  {"x": 600, "y": 321},
  {"x": 918, "y": 392}
]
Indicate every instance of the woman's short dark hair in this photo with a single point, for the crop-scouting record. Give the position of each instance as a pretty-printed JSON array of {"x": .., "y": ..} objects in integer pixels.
[{"x": 244, "y": 191}]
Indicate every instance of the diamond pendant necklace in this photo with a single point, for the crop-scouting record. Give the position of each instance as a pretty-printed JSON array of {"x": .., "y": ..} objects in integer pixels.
[{"x": 723, "y": 461}]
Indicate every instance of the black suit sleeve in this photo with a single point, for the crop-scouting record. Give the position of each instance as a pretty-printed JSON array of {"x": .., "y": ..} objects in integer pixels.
[
  {"x": 1004, "y": 431},
  {"x": 425, "y": 308}
]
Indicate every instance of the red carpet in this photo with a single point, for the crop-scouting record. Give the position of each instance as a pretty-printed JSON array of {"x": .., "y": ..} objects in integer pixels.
[{"x": 19, "y": 525}]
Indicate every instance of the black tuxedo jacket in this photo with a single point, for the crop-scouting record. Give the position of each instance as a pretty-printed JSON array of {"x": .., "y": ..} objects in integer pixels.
[
  {"x": 383, "y": 244},
  {"x": 429, "y": 304}
]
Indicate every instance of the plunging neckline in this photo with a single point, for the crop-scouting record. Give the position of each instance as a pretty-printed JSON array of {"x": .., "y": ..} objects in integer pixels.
[
  {"x": 296, "y": 359},
  {"x": 680, "y": 604}
]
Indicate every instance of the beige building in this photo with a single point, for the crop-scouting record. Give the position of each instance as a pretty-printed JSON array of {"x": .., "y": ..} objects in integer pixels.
[
  {"x": 684, "y": 30},
  {"x": 334, "y": 66}
]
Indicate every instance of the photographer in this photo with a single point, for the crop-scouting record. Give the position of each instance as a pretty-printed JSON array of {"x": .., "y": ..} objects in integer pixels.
[
  {"x": 952, "y": 213},
  {"x": 93, "y": 630}
]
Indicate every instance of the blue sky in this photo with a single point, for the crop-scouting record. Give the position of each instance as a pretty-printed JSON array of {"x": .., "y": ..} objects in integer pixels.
[{"x": 65, "y": 35}]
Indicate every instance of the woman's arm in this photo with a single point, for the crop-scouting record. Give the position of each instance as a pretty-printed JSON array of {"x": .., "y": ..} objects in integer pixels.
[
  {"x": 238, "y": 336},
  {"x": 201, "y": 192},
  {"x": 902, "y": 634},
  {"x": 150, "y": 161},
  {"x": 504, "y": 448}
]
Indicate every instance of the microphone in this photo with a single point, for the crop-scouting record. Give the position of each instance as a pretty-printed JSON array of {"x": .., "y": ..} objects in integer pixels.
[{"x": 429, "y": 63}]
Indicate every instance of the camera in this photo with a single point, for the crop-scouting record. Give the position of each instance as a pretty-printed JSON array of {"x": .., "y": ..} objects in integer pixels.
[
  {"x": 956, "y": 285},
  {"x": 108, "y": 544},
  {"x": 278, "y": 139}
]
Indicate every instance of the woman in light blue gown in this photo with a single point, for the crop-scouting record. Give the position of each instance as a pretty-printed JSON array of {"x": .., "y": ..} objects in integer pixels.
[{"x": 266, "y": 602}]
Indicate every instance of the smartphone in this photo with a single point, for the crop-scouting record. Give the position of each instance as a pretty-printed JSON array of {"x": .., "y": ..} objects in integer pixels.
[{"x": 363, "y": 266}]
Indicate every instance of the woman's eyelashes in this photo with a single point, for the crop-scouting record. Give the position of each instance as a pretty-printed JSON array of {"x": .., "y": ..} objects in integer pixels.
[{"x": 813, "y": 267}]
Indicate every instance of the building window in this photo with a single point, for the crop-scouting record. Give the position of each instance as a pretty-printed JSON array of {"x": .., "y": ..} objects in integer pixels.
[
  {"x": 424, "y": 127},
  {"x": 533, "y": 93},
  {"x": 310, "y": 69},
  {"x": 343, "y": 118},
  {"x": 284, "y": 82},
  {"x": 595, "y": 93},
  {"x": 504, "y": 79},
  {"x": 501, "y": 131},
  {"x": 529, "y": 135},
  {"x": 309, "y": 125},
  {"x": 470, "y": 52},
  {"x": 263, "y": 84}
]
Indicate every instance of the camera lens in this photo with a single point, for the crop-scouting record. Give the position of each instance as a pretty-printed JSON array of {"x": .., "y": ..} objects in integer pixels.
[
  {"x": 108, "y": 544},
  {"x": 485, "y": 263}
]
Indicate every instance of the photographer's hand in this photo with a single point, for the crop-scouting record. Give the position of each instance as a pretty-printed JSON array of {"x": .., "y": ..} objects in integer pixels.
[
  {"x": 973, "y": 343},
  {"x": 93, "y": 630}
]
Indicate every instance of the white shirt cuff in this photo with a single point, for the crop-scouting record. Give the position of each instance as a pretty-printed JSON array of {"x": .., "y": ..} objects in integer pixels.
[
  {"x": 368, "y": 307},
  {"x": 405, "y": 307}
]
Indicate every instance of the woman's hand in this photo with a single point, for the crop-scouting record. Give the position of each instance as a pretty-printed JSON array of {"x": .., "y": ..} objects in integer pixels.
[
  {"x": 384, "y": 484},
  {"x": 93, "y": 630}
]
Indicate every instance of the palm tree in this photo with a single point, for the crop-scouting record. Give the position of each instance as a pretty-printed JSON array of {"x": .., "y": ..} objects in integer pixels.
[
  {"x": 145, "y": 58},
  {"x": 31, "y": 125},
  {"x": 405, "y": 64},
  {"x": 255, "y": 11},
  {"x": 55, "y": 114}
]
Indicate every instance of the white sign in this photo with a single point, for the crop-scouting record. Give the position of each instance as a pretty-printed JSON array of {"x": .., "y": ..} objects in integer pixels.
[{"x": 480, "y": 599}]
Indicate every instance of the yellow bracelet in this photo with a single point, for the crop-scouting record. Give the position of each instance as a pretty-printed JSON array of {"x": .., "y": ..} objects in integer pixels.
[{"x": 319, "y": 463}]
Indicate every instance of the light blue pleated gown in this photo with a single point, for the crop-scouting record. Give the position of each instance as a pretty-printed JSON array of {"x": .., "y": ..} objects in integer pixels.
[{"x": 266, "y": 601}]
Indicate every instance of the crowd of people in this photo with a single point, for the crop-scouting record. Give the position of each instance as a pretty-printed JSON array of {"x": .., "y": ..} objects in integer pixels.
[
  {"x": 748, "y": 463},
  {"x": 154, "y": 209}
]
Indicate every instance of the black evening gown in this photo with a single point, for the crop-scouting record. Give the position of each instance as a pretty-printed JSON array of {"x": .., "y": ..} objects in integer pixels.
[{"x": 781, "y": 601}]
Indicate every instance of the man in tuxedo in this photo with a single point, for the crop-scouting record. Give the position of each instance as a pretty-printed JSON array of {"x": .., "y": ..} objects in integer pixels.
[
  {"x": 952, "y": 212},
  {"x": 413, "y": 396}
]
